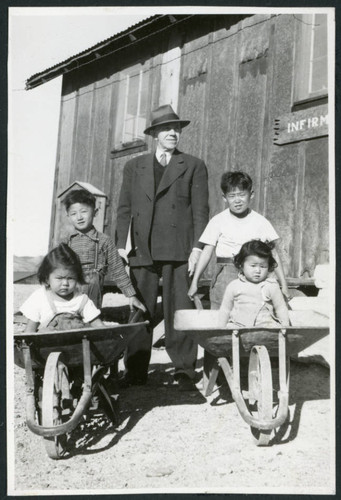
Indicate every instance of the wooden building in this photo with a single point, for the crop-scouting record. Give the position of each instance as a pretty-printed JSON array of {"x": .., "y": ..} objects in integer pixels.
[{"x": 255, "y": 90}]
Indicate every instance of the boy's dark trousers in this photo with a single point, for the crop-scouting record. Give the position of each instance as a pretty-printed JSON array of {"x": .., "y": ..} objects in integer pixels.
[
  {"x": 181, "y": 349},
  {"x": 93, "y": 287}
]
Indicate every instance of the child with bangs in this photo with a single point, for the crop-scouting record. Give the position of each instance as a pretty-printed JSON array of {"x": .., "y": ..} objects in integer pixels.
[
  {"x": 59, "y": 304},
  {"x": 254, "y": 298}
]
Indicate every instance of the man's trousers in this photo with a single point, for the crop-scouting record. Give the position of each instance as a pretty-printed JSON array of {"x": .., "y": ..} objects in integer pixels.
[{"x": 175, "y": 284}]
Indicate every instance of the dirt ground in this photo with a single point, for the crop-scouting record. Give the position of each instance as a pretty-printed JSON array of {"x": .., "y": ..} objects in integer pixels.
[{"x": 173, "y": 441}]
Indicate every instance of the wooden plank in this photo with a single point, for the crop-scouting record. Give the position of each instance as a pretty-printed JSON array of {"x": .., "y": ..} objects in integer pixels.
[
  {"x": 283, "y": 65},
  {"x": 301, "y": 125},
  {"x": 192, "y": 88},
  {"x": 252, "y": 97},
  {"x": 100, "y": 128},
  {"x": 299, "y": 204},
  {"x": 52, "y": 232},
  {"x": 281, "y": 203},
  {"x": 315, "y": 208},
  {"x": 110, "y": 166},
  {"x": 266, "y": 145},
  {"x": 220, "y": 124},
  {"x": 82, "y": 147},
  {"x": 68, "y": 122},
  {"x": 281, "y": 176},
  {"x": 170, "y": 72}
]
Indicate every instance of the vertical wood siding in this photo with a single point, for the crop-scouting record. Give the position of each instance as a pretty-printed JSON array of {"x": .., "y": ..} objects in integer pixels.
[
  {"x": 315, "y": 218},
  {"x": 231, "y": 76},
  {"x": 64, "y": 166}
]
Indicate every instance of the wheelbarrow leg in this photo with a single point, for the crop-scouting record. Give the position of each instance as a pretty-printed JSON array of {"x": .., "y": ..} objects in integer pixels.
[
  {"x": 33, "y": 402},
  {"x": 236, "y": 359},
  {"x": 284, "y": 363},
  {"x": 211, "y": 370},
  {"x": 109, "y": 403},
  {"x": 87, "y": 364},
  {"x": 284, "y": 375}
]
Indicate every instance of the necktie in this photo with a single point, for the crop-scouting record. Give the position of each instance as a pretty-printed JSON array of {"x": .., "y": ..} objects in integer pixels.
[{"x": 163, "y": 159}]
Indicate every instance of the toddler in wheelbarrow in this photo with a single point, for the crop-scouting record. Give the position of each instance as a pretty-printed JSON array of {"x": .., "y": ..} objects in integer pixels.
[
  {"x": 253, "y": 320},
  {"x": 68, "y": 326}
]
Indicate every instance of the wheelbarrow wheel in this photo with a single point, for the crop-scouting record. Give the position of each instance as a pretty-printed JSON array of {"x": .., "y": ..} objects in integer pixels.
[
  {"x": 260, "y": 391},
  {"x": 56, "y": 397}
]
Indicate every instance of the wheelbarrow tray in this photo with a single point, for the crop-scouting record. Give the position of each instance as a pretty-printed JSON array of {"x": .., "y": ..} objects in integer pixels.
[
  {"x": 53, "y": 353},
  {"x": 224, "y": 344},
  {"x": 200, "y": 326},
  {"x": 106, "y": 344}
]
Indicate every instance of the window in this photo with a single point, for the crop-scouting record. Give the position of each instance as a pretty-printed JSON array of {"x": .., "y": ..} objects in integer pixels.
[
  {"x": 311, "y": 58},
  {"x": 132, "y": 105}
]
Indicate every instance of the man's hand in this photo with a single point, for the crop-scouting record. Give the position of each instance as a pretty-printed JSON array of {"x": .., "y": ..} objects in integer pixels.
[
  {"x": 123, "y": 254},
  {"x": 193, "y": 260}
]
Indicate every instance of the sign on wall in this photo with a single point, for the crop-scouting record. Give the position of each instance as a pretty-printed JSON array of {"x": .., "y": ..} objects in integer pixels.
[{"x": 301, "y": 125}]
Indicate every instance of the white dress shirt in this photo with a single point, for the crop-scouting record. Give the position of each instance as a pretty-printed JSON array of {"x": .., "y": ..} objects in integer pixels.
[{"x": 160, "y": 152}]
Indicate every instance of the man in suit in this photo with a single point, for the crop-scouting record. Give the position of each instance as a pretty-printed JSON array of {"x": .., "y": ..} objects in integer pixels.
[{"x": 164, "y": 204}]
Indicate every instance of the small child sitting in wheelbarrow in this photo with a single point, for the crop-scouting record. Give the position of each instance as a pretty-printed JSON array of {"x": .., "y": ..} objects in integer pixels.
[
  {"x": 58, "y": 304},
  {"x": 68, "y": 361},
  {"x": 254, "y": 298}
]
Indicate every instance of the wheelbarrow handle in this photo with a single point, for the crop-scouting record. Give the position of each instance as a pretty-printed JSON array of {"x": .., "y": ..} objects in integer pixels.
[
  {"x": 197, "y": 302},
  {"x": 136, "y": 315}
]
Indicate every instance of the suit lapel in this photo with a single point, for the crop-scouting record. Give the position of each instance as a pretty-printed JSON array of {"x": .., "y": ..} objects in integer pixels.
[
  {"x": 174, "y": 169},
  {"x": 146, "y": 173}
]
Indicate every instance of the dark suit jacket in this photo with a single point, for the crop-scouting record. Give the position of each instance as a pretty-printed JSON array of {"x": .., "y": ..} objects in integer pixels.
[{"x": 169, "y": 221}]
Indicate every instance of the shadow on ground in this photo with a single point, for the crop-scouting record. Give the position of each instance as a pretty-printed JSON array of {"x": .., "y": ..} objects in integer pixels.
[
  {"x": 301, "y": 390},
  {"x": 135, "y": 402}
]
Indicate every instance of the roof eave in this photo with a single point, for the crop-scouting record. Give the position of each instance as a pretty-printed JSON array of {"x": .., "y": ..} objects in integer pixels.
[{"x": 119, "y": 41}]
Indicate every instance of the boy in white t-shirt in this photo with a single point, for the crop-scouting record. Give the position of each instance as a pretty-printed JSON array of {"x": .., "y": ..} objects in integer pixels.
[{"x": 227, "y": 231}]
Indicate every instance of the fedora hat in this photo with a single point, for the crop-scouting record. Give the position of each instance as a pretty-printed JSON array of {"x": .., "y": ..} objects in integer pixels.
[{"x": 164, "y": 114}]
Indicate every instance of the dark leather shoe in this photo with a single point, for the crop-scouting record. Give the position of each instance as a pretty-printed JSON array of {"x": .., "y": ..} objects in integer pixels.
[
  {"x": 128, "y": 381},
  {"x": 184, "y": 382}
]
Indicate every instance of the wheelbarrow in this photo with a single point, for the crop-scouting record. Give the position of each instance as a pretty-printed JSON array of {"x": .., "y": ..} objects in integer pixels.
[
  {"x": 221, "y": 345},
  {"x": 51, "y": 358}
]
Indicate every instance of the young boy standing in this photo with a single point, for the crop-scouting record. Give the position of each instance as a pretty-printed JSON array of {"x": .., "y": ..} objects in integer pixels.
[
  {"x": 227, "y": 231},
  {"x": 97, "y": 252}
]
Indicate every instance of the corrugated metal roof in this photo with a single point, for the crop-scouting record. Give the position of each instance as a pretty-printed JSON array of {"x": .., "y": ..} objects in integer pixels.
[{"x": 118, "y": 41}]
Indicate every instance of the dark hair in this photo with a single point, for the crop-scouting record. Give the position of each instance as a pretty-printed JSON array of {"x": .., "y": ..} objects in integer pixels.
[
  {"x": 61, "y": 256},
  {"x": 79, "y": 196},
  {"x": 230, "y": 180},
  {"x": 255, "y": 247}
]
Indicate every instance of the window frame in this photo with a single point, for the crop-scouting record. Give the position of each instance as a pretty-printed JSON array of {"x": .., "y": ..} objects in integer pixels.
[
  {"x": 122, "y": 143},
  {"x": 303, "y": 61}
]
